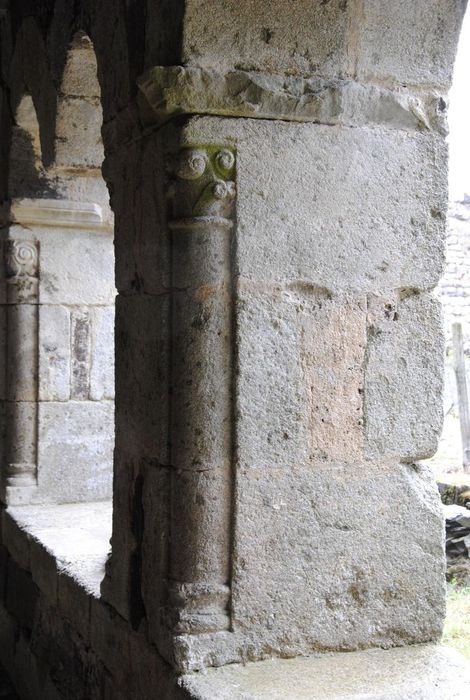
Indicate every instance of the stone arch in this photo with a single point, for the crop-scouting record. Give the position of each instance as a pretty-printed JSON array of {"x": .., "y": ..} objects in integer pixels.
[{"x": 30, "y": 73}]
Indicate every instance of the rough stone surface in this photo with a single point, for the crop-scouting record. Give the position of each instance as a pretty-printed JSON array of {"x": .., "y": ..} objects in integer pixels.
[
  {"x": 255, "y": 513},
  {"x": 414, "y": 673},
  {"x": 426, "y": 58},
  {"x": 102, "y": 354},
  {"x": 362, "y": 591},
  {"x": 335, "y": 236},
  {"x": 403, "y": 378},
  {"x": 301, "y": 38},
  {"x": 54, "y": 353},
  {"x": 168, "y": 91},
  {"x": 76, "y": 268},
  {"x": 75, "y": 535},
  {"x": 82, "y": 470}
]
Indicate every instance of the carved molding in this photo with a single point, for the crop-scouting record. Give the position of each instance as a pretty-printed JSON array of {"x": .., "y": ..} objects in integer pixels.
[
  {"x": 168, "y": 91},
  {"x": 55, "y": 212},
  {"x": 202, "y": 197}
]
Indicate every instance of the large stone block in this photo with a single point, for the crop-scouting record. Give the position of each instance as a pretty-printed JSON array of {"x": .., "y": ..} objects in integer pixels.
[
  {"x": 300, "y": 37},
  {"x": 75, "y": 452},
  {"x": 337, "y": 558},
  {"x": 357, "y": 210},
  {"x": 54, "y": 353},
  {"x": 300, "y": 377},
  {"x": 76, "y": 268},
  {"x": 404, "y": 378},
  {"x": 408, "y": 42}
]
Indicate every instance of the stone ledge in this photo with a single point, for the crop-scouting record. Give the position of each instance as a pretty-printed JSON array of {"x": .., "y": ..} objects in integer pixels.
[
  {"x": 426, "y": 672},
  {"x": 169, "y": 91},
  {"x": 75, "y": 536},
  {"x": 55, "y": 212}
]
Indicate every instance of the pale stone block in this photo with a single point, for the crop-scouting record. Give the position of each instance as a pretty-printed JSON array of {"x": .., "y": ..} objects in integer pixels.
[
  {"x": 300, "y": 377},
  {"x": 77, "y": 267},
  {"x": 294, "y": 38},
  {"x": 22, "y": 352},
  {"x": 75, "y": 534},
  {"x": 357, "y": 210},
  {"x": 404, "y": 378},
  {"x": 408, "y": 42},
  {"x": 102, "y": 354},
  {"x": 54, "y": 353},
  {"x": 75, "y": 457},
  {"x": 335, "y": 557}
]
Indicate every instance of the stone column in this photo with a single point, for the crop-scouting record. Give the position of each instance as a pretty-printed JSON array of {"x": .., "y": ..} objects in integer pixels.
[
  {"x": 201, "y": 396},
  {"x": 22, "y": 273}
]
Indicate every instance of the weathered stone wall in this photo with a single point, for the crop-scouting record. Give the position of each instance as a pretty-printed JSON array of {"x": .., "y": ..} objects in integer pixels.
[{"x": 279, "y": 198}]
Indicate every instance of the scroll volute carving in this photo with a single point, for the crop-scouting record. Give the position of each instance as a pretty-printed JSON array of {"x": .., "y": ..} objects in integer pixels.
[
  {"x": 204, "y": 187},
  {"x": 22, "y": 271}
]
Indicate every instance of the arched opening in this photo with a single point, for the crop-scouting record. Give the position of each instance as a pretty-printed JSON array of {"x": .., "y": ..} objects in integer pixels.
[
  {"x": 454, "y": 286},
  {"x": 451, "y": 463},
  {"x": 59, "y": 315}
]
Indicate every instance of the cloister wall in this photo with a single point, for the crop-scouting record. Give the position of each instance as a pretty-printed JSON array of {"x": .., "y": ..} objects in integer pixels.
[{"x": 278, "y": 180}]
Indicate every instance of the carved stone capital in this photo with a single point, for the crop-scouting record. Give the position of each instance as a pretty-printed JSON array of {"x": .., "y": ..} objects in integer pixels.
[
  {"x": 203, "y": 192},
  {"x": 22, "y": 271}
]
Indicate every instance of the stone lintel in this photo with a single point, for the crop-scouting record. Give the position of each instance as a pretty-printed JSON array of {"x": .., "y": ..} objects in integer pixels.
[
  {"x": 422, "y": 672},
  {"x": 54, "y": 212},
  {"x": 166, "y": 92}
]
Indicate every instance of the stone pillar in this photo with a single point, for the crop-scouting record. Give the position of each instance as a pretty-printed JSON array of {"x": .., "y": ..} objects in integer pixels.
[
  {"x": 22, "y": 298},
  {"x": 201, "y": 397},
  {"x": 268, "y": 461}
]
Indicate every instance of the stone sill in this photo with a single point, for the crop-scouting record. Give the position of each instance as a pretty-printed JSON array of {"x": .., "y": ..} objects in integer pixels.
[
  {"x": 421, "y": 672},
  {"x": 68, "y": 541}
]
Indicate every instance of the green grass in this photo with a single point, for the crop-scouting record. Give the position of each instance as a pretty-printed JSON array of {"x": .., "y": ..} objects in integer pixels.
[{"x": 457, "y": 623}]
